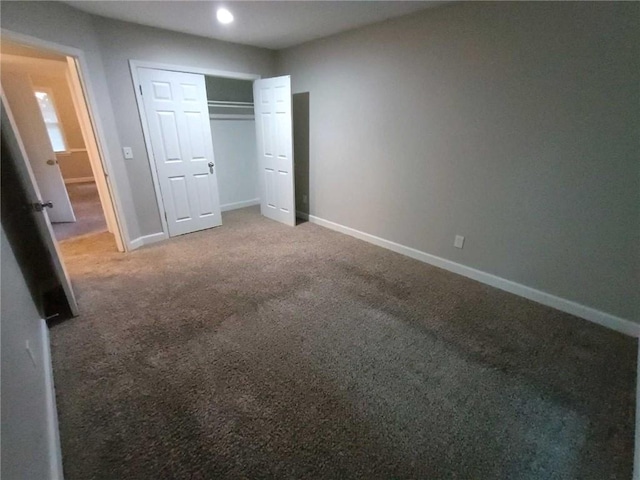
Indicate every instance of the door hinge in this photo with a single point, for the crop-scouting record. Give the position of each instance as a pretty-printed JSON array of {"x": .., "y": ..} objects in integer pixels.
[
  {"x": 40, "y": 206},
  {"x": 140, "y": 87},
  {"x": 165, "y": 217}
]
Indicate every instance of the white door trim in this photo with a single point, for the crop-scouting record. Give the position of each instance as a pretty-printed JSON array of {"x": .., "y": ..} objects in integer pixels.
[
  {"x": 212, "y": 72},
  {"x": 133, "y": 67},
  {"x": 121, "y": 233},
  {"x": 92, "y": 148}
]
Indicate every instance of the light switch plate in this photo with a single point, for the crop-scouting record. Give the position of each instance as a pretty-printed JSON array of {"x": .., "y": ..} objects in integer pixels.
[
  {"x": 128, "y": 153},
  {"x": 459, "y": 241}
]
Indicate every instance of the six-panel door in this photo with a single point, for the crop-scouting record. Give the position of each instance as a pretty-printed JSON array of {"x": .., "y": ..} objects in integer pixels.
[
  {"x": 272, "y": 105},
  {"x": 177, "y": 114}
]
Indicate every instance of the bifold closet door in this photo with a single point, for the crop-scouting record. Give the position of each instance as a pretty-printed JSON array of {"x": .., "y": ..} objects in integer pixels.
[
  {"x": 274, "y": 136},
  {"x": 175, "y": 105}
]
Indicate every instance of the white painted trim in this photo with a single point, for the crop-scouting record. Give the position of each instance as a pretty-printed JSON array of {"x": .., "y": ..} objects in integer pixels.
[
  {"x": 133, "y": 67},
  {"x": 53, "y": 431},
  {"x": 613, "y": 322},
  {"x": 70, "y": 151},
  {"x": 108, "y": 197},
  {"x": 236, "y": 205},
  {"x": 95, "y": 120},
  {"x": 79, "y": 180},
  {"x": 192, "y": 69},
  {"x": 148, "y": 239}
]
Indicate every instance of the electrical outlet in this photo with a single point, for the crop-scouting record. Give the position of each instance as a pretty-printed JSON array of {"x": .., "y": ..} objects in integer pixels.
[
  {"x": 127, "y": 152},
  {"x": 459, "y": 241},
  {"x": 304, "y": 199}
]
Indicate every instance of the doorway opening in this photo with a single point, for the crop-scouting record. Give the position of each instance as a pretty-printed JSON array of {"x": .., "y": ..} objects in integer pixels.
[
  {"x": 233, "y": 130},
  {"x": 45, "y": 92}
]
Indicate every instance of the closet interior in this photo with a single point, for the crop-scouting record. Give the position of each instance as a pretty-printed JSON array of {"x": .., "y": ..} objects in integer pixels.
[{"x": 233, "y": 130}]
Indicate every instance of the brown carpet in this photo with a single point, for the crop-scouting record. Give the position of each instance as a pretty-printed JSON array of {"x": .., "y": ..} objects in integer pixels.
[
  {"x": 256, "y": 350},
  {"x": 88, "y": 210}
]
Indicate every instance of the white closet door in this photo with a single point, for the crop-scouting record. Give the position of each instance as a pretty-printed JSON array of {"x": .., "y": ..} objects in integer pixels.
[
  {"x": 176, "y": 108},
  {"x": 274, "y": 135}
]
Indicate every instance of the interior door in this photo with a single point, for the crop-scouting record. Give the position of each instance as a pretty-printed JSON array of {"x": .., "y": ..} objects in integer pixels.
[
  {"x": 274, "y": 135},
  {"x": 33, "y": 131},
  {"x": 177, "y": 114},
  {"x": 15, "y": 151}
]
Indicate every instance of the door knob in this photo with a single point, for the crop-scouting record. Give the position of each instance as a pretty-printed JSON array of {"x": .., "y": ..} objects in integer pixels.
[
  {"x": 40, "y": 206},
  {"x": 51, "y": 162},
  {"x": 211, "y": 165}
]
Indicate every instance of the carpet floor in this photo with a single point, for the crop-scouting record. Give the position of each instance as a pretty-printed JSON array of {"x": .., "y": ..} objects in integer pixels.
[
  {"x": 88, "y": 210},
  {"x": 256, "y": 350}
]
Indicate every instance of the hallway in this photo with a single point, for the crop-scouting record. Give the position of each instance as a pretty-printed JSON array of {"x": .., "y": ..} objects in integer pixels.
[{"x": 88, "y": 210}]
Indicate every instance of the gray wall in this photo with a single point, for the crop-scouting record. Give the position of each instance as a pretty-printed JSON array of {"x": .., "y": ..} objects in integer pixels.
[
  {"x": 120, "y": 42},
  {"x": 61, "y": 24},
  {"x": 514, "y": 124},
  {"x": 109, "y": 45},
  {"x": 26, "y": 451}
]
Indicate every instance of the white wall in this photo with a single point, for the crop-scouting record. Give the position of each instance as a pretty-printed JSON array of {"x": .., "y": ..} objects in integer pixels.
[
  {"x": 30, "y": 449},
  {"x": 514, "y": 124},
  {"x": 234, "y": 147},
  {"x": 121, "y": 42}
]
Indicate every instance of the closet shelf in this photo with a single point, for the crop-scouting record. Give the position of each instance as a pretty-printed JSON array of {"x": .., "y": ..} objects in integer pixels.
[
  {"x": 225, "y": 116},
  {"x": 221, "y": 104}
]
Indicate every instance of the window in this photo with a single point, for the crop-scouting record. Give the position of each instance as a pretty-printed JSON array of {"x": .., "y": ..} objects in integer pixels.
[{"x": 54, "y": 128}]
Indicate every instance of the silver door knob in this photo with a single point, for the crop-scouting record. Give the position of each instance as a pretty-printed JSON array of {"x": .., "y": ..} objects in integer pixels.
[
  {"x": 40, "y": 206},
  {"x": 211, "y": 165}
]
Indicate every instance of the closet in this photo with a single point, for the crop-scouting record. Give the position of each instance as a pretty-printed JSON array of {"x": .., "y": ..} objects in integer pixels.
[
  {"x": 213, "y": 148},
  {"x": 231, "y": 115}
]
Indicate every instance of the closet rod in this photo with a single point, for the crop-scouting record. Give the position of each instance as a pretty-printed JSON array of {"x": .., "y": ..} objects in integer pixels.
[{"x": 220, "y": 104}]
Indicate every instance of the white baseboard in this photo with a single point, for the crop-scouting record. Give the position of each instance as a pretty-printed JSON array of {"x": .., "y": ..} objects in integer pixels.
[
  {"x": 613, "y": 322},
  {"x": 157, "y": 237},
  {"x": 234, "y": 206},
  {"x": 53, "y": 431},
  {"x": 79, "y": 180},
  {"x": 147, "y": 240}
]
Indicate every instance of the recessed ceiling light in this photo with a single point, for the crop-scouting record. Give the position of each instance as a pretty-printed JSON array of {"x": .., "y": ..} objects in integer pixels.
[{"x": 224, "y": 16}]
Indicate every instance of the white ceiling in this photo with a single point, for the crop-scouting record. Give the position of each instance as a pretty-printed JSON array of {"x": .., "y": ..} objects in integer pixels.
[{"x": 268, "y": 24}]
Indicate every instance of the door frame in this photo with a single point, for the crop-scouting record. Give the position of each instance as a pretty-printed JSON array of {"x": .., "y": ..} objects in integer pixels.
[
  {"x": 84, "y": 98},
  {"x": 133, "y": 67}
]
